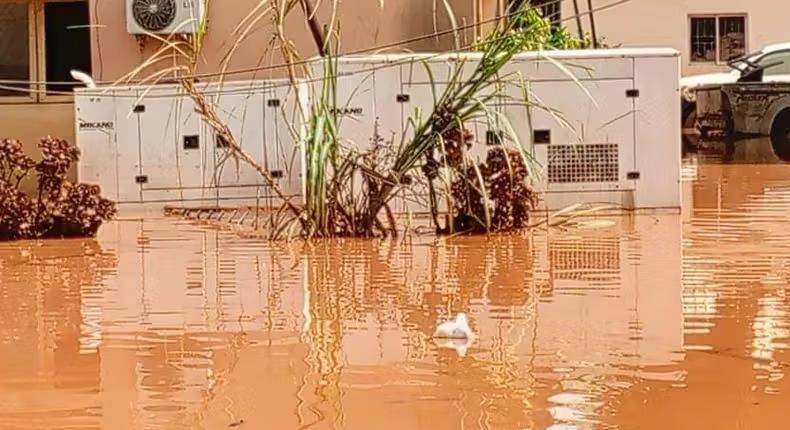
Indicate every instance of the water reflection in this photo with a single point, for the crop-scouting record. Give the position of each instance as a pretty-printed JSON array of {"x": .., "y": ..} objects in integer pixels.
[
  {"x": 49, "y": 330},
  {"x": 165, "y": 324}
]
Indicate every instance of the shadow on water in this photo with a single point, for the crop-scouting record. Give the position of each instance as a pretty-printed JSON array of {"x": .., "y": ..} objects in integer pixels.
[
  {"x": 754, "y": 150},
  {"x": 162, "y": 323}
]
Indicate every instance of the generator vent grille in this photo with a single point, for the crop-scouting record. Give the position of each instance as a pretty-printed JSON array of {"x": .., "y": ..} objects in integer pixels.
[{"x": 583, "y": 163}]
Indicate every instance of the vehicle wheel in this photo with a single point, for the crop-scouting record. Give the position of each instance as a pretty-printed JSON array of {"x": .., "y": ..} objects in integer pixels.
[
  {"x": 691, "y": 129},
  {"x": 729, "y": 124},
  {"x": 780, "y": 135},
  {"x": 729, "y": 149}
]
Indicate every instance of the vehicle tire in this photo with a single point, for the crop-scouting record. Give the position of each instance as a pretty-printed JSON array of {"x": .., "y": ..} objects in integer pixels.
[
  {"x": 691, "y": 131},
  {"x": 729, "y": 123},
  {"x": 780, "y": 135},
  {"x": 729, "y": 149}
]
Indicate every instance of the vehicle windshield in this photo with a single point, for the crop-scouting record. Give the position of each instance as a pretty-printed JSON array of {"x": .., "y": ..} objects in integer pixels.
[
  {"x": 772, "y": 65},
  {"x": 742, "y": 63}
]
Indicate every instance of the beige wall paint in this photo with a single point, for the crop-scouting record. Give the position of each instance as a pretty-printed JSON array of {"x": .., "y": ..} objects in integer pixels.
[
  {"x": 364, "y": 25},
  {"x": 652, "y": 23},
  {"x": 31, "y": 122},
  {"x": 665, "y": 23}
]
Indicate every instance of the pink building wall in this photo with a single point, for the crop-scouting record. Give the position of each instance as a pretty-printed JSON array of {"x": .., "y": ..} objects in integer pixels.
[{"x": 364, "y": 24}]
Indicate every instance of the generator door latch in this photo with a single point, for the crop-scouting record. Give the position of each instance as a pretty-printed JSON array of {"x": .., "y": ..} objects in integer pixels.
[
  {"x": 276, "y": 174},
  {"x": 494, "y": 137},
  {"x": 632, "y": 93},
  {"x": 273, "y": 103},
  {"x": 141, "y": 179},
  {"x": 138, "y": 109},
  {"x": 402, "y": 98},
  {"x": 541, "y": 137},
  {"x": 633, "y": 175},
  {"x": 192, "y": 142}
]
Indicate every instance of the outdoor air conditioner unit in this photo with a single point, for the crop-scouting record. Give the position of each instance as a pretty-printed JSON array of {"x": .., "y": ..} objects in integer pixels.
[{"x": 164, "y": 16}]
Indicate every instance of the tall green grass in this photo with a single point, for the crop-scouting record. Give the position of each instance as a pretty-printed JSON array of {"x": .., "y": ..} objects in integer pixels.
[
  {"x": 348, "y": 190},
  {"x": 338, "y": 203}
]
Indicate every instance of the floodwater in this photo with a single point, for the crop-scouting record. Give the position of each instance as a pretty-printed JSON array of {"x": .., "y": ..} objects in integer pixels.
[{"x": 657, "y": 321}]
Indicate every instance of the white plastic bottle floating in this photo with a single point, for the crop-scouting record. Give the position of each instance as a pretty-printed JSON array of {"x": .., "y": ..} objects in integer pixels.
[
  {"x": 455, "y": 334},
  {"x": 460, "y": 346},
  {"x": 455, "y": 329}
]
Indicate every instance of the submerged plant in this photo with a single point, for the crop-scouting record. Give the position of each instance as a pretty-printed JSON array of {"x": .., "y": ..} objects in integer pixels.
[
  {"x": 492, "y": 196},
  {"x": 320, "y": 157},
  {"x": 466, "y": 99},
  {"x": 17, "y": 211},
  {"x": 14, "y": 163},
  {"x": 350, "y": 191},
  {"x": 506, "y": 180},
  {"x": 60, "y": 209}
]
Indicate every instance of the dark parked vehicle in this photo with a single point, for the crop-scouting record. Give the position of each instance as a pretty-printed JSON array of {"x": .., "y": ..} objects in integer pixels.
[{"x": 752, "y": 99}]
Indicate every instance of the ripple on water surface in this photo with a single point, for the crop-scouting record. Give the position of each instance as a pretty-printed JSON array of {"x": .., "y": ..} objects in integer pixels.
[{"x": 162, "y": 323}]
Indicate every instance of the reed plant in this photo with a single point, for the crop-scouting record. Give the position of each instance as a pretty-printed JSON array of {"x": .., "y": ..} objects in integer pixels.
[
  {"x": 349, "y": 189},
  {"x": 422, "y": 156}
]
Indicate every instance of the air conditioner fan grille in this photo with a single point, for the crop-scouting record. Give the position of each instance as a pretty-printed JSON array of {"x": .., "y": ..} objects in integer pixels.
[{"x": 154, "y": 15}]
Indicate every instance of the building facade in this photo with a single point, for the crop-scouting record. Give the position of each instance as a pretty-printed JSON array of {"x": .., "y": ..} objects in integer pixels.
[
  {"x": 707, "y": 32},
  {"x": 41, "y": 41}
]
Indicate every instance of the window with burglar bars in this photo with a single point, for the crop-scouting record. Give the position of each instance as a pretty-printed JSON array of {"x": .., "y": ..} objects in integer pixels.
[
  {"x": 550, "y": 9},
  {"x": 717, "y": 39},
  {"x": 42, "y": 41}
]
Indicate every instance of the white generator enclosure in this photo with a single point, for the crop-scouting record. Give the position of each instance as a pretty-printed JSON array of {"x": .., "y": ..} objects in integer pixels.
[
  {"x": 602, "y": 124},
  {"x": 144, "y": 145}
]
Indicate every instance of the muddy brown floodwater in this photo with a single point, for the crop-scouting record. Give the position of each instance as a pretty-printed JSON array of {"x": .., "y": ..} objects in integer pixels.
[{"x": 657, "y": 321}]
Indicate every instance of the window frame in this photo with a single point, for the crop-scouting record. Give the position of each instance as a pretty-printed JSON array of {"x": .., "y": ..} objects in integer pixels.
[
  {"x": 716, "y": 17},
  {"x": 32, "y": 47},
  {"x": 41, "y": 38},
  {"x": 555, "y": 19},
  {"x": 38, "y": 56}
]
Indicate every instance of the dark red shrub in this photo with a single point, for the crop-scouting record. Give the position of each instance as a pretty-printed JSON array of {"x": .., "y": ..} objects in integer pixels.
[{"x": 60, "y": 208}]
